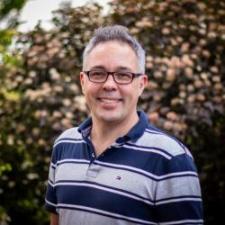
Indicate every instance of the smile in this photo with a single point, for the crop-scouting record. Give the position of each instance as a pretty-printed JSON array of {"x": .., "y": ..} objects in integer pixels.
[{"x": 109, "y": 100}]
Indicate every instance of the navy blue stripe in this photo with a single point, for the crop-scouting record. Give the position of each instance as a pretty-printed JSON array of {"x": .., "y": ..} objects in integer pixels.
[
  {"x": 145, "y": 161},
  {"x": 105, "y": 214},
  {"x": 50, "y": 195},
  {"x": 105, "y": 186},
  {"x": 50, "y": 208},
  {"x": 179, "y": 163},
  {"x": 104, "y": 200},
  {"x": 189, "y": 223},
  {"x": 127, "y": 169},
  {"x": 148, "y": 175},
  {"x": 169, "y": 176},
  {"x": 151, "y": 127},
  {"x": 71, "y": 151},
  {"x": 130, "y": 157},
  {"x": 179, "y": 211}
]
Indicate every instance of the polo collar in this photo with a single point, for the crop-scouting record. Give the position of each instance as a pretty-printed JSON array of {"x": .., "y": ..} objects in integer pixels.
[{"x": 135, "y": 132}]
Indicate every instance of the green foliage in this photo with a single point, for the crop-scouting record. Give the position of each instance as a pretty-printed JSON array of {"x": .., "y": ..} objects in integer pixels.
[
  {"x": 7, "y": 34},
  {"x": 6, "y": 9},
  {"x": 6, "y": 6},
  {"x": 7, "y": 59},
  {"x": 4, "y": 167},
  {"x": 40, "y": 94}
]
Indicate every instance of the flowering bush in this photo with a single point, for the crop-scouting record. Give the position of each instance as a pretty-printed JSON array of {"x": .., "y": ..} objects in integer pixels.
[{"x": 40, "y": 95}]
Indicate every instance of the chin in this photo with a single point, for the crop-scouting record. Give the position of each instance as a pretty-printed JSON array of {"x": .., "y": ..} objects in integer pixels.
[{"x": 110, "y": 116}]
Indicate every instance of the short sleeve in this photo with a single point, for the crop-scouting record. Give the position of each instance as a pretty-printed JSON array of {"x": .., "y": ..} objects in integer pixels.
[
  {"x": 50, "y": 198},
  {"x": 178, "y": 195}
]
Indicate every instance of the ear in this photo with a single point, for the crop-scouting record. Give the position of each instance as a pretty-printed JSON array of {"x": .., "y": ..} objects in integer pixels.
[
  {"x": 82, "y": 81},
  {"x": 142, "y": 84}
]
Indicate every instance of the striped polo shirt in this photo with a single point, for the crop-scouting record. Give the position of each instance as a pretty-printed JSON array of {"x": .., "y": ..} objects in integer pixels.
[{"x": 145, "y": 177}]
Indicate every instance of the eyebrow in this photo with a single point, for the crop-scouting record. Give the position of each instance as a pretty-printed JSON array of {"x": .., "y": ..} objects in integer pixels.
[
  {"x": 98, "y": 67},
  {"x": 123, "y": 68}
]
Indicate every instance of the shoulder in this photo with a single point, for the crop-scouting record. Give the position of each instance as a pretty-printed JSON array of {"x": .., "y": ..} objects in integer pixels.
[
  {"x": 169, "y": 154},
  {"x": 65, "y": 143},
  {"x": 71, "y": 134},
  {"x": 162, "y": 141}
]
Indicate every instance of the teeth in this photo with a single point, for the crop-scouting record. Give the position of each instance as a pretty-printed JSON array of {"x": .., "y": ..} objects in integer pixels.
[{"x": 109, "y": 100}]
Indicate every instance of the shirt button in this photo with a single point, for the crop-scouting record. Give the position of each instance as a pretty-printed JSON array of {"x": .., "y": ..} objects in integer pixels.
[{"x": 93, "y": 155}]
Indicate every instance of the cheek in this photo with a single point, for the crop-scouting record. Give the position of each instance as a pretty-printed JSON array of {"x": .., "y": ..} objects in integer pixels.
[
  {"x": 131, "y": 94},
  {"x": 90, "y": 91}
]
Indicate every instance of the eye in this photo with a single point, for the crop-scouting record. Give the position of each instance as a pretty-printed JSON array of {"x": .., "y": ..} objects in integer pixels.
[
  {"x": 123, "y": 76},
  {"x": 97, "y": 75}
]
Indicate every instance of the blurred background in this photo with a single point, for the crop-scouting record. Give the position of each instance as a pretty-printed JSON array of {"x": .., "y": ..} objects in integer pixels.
[{"x": 40, "y": 95}]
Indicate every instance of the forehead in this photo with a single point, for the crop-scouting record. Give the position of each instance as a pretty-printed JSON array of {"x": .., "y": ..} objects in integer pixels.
[{"x": 112, "y": 54}]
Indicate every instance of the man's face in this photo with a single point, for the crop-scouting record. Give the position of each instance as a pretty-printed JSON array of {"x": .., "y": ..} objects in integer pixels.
[{"x": 109, "y": 101}]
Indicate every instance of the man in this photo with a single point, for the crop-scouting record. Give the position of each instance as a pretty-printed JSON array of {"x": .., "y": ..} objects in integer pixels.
[{"x": 115, "y": 168}]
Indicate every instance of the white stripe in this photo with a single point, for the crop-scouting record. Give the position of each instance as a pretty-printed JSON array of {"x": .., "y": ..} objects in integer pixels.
[
  {"x": 53, "y": 165},
  {"x": 133, "y": 169},
  {"x": 182, "y": 222},
  {"x": 181, "y": 199},
  {"x": 71, "y": 216},
  {"x": 178, "y": 187},
  {"x": 50, "y": 183},
  {"x": 107, "y": 213},
  {"x": 68, "y": 141},
  {"x": 147, "y": 150},
  {"x": 185, "y": 173},
  {"x": 50, "y": 203},
  {"x": 105, "y": 189},
  {"x": 130, "y": 182},
  {"x": 70, "y": 133},
  {"x": 127, "y": 182},
  {"x": 163, "y": 141},
  {"x": 51, "y": 175},
  {"x": 73, "y": 160},
  {"x": 154, "y": 132}
]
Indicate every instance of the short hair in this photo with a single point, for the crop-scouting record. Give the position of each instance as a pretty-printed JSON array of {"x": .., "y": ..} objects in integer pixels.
[{"x": 116, "y": 33}]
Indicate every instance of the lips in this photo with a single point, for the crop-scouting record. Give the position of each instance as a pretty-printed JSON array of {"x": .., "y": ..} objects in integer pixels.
[
  {"x": 109, "y": 100},
  {"x": 109, "y": 103}
]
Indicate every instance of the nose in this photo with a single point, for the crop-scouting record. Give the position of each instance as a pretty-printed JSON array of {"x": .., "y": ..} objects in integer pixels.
[{"x": 110, "y": 84}]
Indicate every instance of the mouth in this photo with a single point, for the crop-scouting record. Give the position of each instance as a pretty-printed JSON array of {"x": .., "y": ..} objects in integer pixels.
[{"x": 109, "y": 100}]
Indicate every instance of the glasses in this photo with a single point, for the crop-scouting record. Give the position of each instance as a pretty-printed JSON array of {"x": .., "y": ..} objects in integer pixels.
[{"x": 100, "y": 76}]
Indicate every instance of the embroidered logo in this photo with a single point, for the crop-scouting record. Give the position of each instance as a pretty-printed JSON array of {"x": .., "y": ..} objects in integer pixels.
[{"x": 118, "y": 177}]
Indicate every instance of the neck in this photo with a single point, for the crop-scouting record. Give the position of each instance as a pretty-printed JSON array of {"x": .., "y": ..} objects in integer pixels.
[{"x": 104, "y": 133}]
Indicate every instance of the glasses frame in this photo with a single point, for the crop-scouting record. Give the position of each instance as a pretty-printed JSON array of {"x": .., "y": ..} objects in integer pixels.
[{"x": 134, "y": 75}]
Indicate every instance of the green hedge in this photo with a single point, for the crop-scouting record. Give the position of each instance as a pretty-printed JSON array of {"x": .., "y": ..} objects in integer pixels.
[{"x": 40, "y": 94}]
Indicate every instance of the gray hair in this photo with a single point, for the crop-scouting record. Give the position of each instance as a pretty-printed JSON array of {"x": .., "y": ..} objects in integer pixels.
[{"x": 116, "y": 33}]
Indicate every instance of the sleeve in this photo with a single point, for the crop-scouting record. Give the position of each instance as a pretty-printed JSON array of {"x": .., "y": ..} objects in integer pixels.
[
  {"x": 177, "y": 194},
  {"x": 50, "y": 197}
]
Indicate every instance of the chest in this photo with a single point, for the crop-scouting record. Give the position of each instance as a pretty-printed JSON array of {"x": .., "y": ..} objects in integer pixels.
[{"x": 116, "y": 172}]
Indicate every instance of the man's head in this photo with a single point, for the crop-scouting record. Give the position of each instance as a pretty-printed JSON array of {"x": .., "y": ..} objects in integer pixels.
[
  {"x": 120, "y": 34},
  {"x": 113, "y": 75}
]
